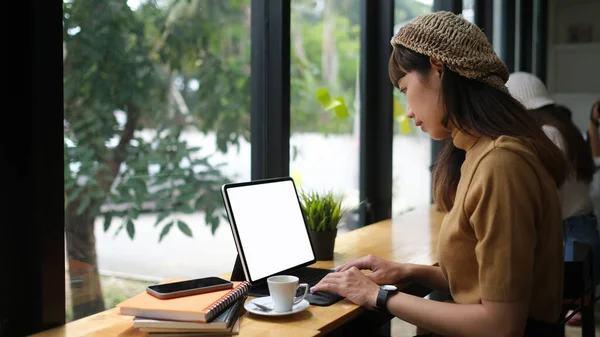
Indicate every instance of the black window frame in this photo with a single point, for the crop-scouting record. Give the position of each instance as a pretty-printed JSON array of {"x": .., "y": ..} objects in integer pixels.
[
  {"x": 32, "y": 289},
  {"x": 270, "y": 93},
  {"x": 484, "y": 17},
  {"x": 376, "y": 111}
]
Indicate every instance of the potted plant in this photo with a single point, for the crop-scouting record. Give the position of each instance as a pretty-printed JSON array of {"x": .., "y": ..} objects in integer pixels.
[{"x": 322, "y": 214}]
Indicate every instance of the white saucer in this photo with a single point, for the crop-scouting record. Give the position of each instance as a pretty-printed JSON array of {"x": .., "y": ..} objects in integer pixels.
[{"x": 267, "y": 301}]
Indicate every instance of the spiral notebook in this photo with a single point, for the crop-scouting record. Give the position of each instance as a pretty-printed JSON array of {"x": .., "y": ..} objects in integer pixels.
[
  {"x": 222, "y": 323},
  {"x": 195, "y": 308}
]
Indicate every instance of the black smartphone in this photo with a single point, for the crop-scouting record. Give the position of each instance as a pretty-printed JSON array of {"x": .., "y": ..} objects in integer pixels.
[{"x": 189, "y": 287}]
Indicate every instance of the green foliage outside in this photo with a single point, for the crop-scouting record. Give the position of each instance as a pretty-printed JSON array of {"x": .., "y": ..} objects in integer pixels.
[{"x": 137, "y": 79}]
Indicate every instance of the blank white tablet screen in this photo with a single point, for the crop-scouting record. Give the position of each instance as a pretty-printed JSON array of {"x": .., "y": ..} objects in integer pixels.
[{"x": 270, "y": 227}]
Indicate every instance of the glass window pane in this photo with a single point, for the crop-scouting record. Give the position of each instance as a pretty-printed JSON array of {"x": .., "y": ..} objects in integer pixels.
[
  {"x": 412, "y": 147},
  {"x": 157, "y": 118},
  {"x": 325, "y": 46},
  {"x": 468, "y": 11}
]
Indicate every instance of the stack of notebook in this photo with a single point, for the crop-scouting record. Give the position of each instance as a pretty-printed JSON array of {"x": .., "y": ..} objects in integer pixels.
[{"x": 216, "y": 313}]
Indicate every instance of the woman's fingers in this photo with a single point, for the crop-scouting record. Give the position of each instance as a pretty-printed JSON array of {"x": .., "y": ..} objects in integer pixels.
[
  {"x": 332, "y": 276},
  {"x": 329, "y": 278},
  {"x": 327, "y": 285},
  {"x": 341, "y": 267},
  {"x": 375, "y": 276},
  {"x": 360, "y": 263}
]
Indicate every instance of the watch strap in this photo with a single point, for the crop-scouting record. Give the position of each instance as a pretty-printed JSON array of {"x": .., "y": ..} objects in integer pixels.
[{"x": 382, "y": 297}]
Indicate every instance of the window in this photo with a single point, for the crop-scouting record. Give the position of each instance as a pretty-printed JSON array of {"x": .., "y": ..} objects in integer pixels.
[
  {"x": 412, "y": 147},
  {"x": 468, "y": 11},
  {"x": 324, "y": 142},
  {"x": 157, "y": 118}
]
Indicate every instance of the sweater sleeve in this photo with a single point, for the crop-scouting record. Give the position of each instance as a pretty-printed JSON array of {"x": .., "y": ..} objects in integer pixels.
[{"x": 502, "y": 202}]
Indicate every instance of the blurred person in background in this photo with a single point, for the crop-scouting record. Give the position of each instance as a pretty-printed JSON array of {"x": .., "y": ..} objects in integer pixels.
[{"x": 579, "y": 219}]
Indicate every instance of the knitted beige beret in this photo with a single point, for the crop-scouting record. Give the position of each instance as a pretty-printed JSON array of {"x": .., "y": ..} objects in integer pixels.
[{"x": 457, "y": 43}]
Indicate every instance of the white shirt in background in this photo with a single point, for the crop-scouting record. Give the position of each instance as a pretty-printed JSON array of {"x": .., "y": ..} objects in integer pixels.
[{"x": 575, "y": 197}]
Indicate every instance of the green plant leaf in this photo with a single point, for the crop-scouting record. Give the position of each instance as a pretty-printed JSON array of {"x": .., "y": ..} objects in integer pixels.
[
  {"x": 139, "y": 185},
  {"x": 161, "y": 217},
  {"x": 163, "y": 203},
  {"x": 184, "y": 228},
  {"x": 185, "y": 208},
  {"x": 107, "y": 220},
  {"x": 76, "y": 193},
  {"x": 322, "y": 211},
  {"x": 130, "y": 229},
  {"x": 119, "y": 229},
  {"x": 85, "y": 203},
  {"x": 134, "y": 212},
  {"x": 214, "y": 224},
  {"x": 70, "y": 184},
  {"x": 165, "y": 231}
]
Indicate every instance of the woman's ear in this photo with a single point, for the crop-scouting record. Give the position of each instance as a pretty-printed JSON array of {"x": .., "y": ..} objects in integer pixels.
[{"x": 437, "y": 66}]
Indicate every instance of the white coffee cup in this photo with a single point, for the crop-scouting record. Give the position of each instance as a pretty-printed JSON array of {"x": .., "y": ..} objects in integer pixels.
[{"x": 282, "y": 289}]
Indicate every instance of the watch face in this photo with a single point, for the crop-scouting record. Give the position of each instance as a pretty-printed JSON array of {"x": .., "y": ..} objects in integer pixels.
[{"x": 389, "y": 287}]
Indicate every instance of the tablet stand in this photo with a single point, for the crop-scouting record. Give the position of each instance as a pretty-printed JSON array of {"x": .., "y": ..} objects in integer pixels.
[{"x": 237, "y": 274}]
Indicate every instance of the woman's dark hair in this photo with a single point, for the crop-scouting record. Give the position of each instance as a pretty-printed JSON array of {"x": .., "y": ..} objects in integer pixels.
[
  {"x": 564, "y": 112},
  {"x": 480, "y": 110},
  {"x": 578, "y": 152}
]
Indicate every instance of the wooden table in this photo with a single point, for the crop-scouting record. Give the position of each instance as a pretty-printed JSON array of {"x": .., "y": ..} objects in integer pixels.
[{"x": 411, "y": 237}]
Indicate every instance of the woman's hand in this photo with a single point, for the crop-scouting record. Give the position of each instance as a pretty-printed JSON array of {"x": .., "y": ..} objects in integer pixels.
[
  {"x": 383, "y": 271},
  {"x": 352, "y": 284}
]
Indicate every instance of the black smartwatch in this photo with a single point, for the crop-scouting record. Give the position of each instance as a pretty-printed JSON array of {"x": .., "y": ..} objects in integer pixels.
[{"x": 384, "y": 294}]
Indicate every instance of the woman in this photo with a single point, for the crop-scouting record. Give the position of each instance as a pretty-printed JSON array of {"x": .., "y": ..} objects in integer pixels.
[
  {"x": 500, "y": 244},
  {"x": 579, "y": 220},
  {"x": 592, "y": 133},
  {"x": 593, "y": 138}
]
